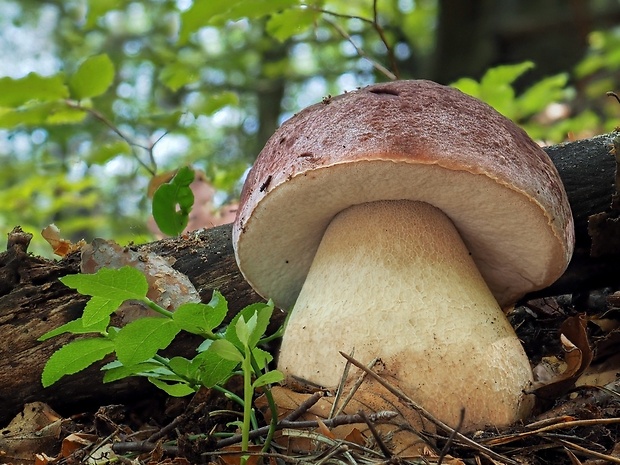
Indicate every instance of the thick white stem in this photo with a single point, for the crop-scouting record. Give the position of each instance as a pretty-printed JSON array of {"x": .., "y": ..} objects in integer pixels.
[{"x": 394, "y": 280}]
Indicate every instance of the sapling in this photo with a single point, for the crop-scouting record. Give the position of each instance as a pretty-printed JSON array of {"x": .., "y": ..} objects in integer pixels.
[{"x": 136, "y": 345}]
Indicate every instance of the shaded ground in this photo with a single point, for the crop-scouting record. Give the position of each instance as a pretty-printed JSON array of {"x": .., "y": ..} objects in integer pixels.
[{"x": 572, "y": 425}]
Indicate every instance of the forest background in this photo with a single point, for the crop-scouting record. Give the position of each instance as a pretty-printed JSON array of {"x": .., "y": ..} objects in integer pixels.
[{"x": 97, "y": 97}]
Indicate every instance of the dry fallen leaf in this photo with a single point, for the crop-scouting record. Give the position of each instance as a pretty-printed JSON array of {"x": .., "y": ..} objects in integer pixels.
[
  {"x": 236, "y": 458},
  {"x": 602, "y": 373},
  {"x": 60, "y": 246},
  {"x": 554, "y": 377},
  {"x": 76, "y": 441},
  {"x": 35, "y": 430}
]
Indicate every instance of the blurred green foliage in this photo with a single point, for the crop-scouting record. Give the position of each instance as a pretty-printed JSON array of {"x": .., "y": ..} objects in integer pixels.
[{"x": 122, "y": 90}]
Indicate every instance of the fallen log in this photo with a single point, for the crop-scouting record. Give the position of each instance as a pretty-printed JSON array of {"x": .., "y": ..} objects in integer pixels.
[{"x": 33, "y": 301}]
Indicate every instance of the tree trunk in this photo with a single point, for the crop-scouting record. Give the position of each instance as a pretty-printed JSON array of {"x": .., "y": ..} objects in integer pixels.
[
  {"x": 33, "y": 301},
  {"x": 474, "y": 35}
]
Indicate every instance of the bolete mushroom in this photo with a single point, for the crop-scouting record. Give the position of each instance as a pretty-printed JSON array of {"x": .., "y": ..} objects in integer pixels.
[{"x": 398, "y": 220}]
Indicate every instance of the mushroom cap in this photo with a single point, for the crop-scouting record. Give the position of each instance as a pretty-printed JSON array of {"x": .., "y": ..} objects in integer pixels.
[{"x": 413, "y": 140}]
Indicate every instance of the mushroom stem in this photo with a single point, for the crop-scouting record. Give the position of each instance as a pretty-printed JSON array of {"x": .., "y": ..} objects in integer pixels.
[{"x": 393, "y": 279}]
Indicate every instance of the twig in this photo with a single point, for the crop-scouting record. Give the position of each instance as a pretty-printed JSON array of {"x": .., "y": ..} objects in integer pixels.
[
  {"x": 355, "y": 387},
  {"x": 378, "y": 66},
  {"x": 423, "y": 412},
  {"x": 304, "y": 406},
  {"x": 446, "y": 447},
  {"x": 379, "y": 29},
  {"x": 588, "y": 452},
  {"x": 375, "y": 434},
  {"x": 166, "y": 429},
  {"x": 331, "y": 423},
  {"x": 339, "y": 449},
  {"x": 343, "y": 379},
  {"x": 613, "y": 94},
  {"x": 374, "y": 23},
  {"x": 502, "y": 440},
  {"x": 101, "y": 117},
  {"x": 147, "y": 446}
]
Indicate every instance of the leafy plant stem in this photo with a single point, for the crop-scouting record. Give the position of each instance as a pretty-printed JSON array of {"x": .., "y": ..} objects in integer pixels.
[
  {"x": 234, "y": 397},
  {"x": 164, "y": 362},
  {"x": 278, "y": 334},
  {"x": 153, "y": 306},
  {"x": 272, "y": 407},
  {"x": 248, "y": 394}
]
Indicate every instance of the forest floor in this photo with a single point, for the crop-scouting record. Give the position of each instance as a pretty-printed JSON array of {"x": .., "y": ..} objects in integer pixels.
[{"x": 577, "y": 419}]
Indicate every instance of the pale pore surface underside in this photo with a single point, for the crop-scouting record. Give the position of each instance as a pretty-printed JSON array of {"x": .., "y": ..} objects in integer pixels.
[
  {"x": 510, "y": 237},
  {"x": 394, "y": 280}
]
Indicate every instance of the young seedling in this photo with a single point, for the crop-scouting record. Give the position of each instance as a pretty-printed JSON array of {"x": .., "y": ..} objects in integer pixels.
[{"x": 136, "y": 345}]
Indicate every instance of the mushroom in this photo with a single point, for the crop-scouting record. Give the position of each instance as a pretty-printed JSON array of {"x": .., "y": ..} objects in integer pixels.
[{"x": 399, "y": 220}]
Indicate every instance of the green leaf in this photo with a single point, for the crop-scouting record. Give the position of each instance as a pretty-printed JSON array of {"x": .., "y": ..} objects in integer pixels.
[
  {"x": 74, "y": 357},
  {"x": 282, "y": 26},
  {"x": 504, "y": 74},
  {"x": 244, "y": 329},
  {"x": 226, "y": 350},
  {"x": 141, "y": 339},
  {"x": 181, "y": 366},
  {"x": 198, "y": 318},
  {"x": 263, "y": 312},
  {"x": 262, "y": 357},
  {"x": 175, "y": 390},
  {"x": 77, "y": 327},
  {"x": 199, "y": 15},
  {"x": 539, "y": 95},
  {"x": 467, "y": 86},
  {"x": 213, "y": 369},
  {"x": 116, "y": 370},
  {"x": 35, "y": 114},
  {"x": 94, "y": 76},
  {"x": 98, "y": 309},
  {"x": 218, "y": 12},
  {"x": 271, "y": 377},
  {"x": 103, "y": 153},
  {"x": 496, "y": 87},
  {"x": 217, "y": 101},
  {"x": 178, "y": 74},
  {"x": 170, "y": 219},
  {"x": 124, "y": 283},
  {"x": 17, "y": 92},
  {"x": 204, "y": 345},
  {"x": 98, "y": 8},
  {"x": 256, "y": 9}
]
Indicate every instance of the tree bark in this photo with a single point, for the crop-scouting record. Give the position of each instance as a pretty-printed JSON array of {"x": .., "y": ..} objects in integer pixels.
[{"x": 33, "y": 301}]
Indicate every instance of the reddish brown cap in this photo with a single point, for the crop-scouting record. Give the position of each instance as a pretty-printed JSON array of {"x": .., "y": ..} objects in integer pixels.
[{"x": 414, "y": 140}]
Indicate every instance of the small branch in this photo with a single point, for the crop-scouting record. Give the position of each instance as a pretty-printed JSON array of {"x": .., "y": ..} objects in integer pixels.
[
  {"x": 613, "y": 94},
  {"x": 331, "y": 423},
  {"x": 101, "y": 117},
  {"x": 166, "y": 429},
  {"x": 375, "y": 434},
  {"x": 148, "y": 446},
  {"x": 590, "y": 453},
  {"x": 304, "y": 406},
  {"x": 450, "y": 440},
  {"x": 378, "y": 29},
  {"x": 378, "y": 66},
  {"x": 381, "y": 33}
]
